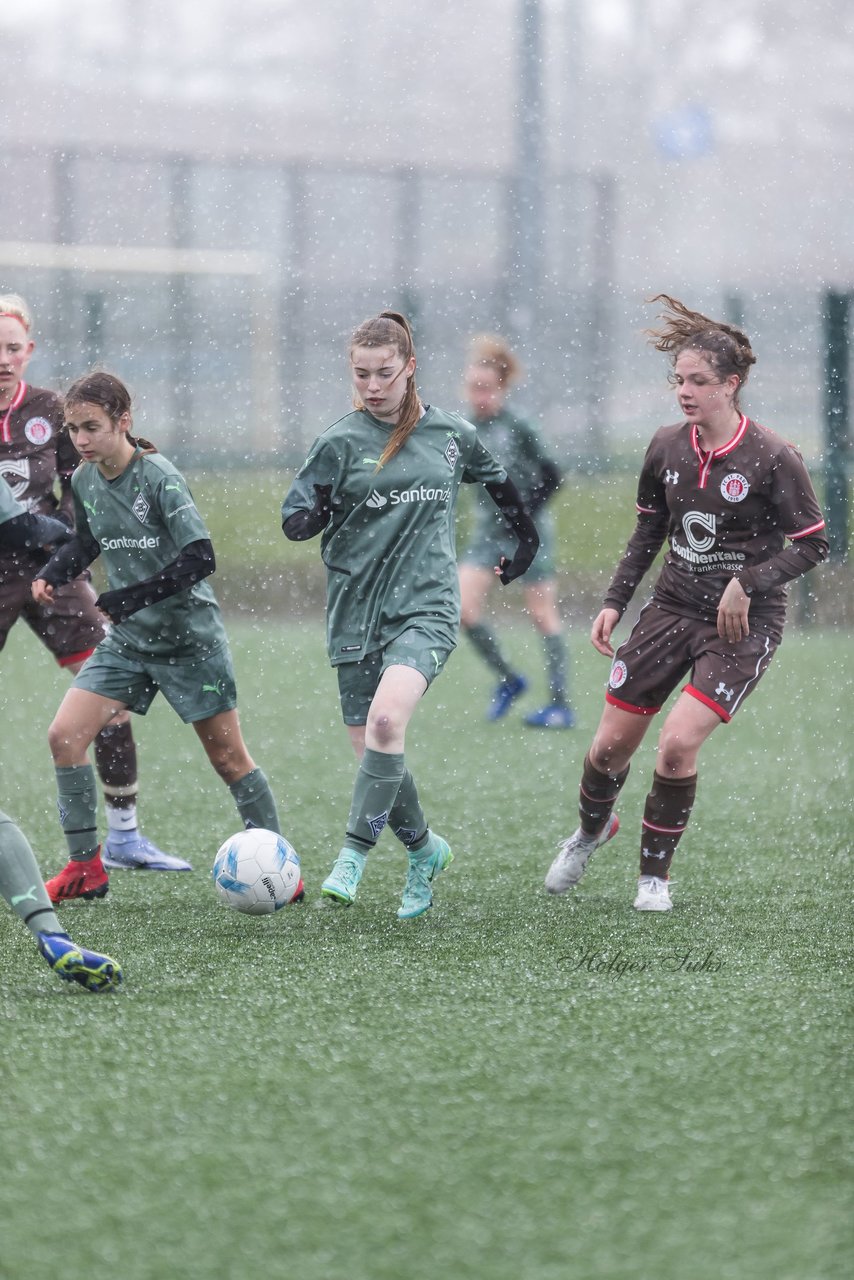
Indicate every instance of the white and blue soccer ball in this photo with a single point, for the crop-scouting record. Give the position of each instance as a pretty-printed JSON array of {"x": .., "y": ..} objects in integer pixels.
[{"x": 256, "y": 871}]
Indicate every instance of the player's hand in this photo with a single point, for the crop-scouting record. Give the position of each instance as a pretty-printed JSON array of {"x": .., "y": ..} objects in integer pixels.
[
  {"x": 42, "y": 591},
  {"x": 507, "y": 570},
  {"x": 600, "y": 635},
  {"x": 732, "y": 612}
]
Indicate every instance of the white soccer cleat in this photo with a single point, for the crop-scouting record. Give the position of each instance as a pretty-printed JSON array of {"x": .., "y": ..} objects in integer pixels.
[
  {"x": 653, "y": 895},
  {"x": 575, "y": 853}
]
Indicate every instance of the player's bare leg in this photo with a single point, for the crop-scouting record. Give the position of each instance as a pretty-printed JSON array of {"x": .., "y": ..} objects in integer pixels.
[
  {"x": 222, "y": 740},
  {"x": 115, "y": 762}
]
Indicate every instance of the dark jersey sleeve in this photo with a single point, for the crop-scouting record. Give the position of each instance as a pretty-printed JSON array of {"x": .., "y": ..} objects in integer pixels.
[
  {"x": 801, "y": 521},
  {"x": 307, "y": 507},
  {"x": 69, "y": 560},
  {"x": 30, "y": 531},
  {"x": 195, "y": 562},
  {"x": 508, "y": 499},
  {"x": 647, "y": 540}
]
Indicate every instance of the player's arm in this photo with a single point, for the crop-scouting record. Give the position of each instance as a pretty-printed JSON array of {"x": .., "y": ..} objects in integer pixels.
[
  {"x": 547, "y": 486},
  {"x": 550, "y": 476},
  {"x": 67, "y": 562},
  {"x": 29, "y": 531},
  {"x": 308, "y": 505},
  {"x": 801, "y": 520},
  {"x": 646, "y": 541},
  {"x": 195, "y": 562},
  {"x": 307, "y": 523},
  {"x": 508, "y": 499}
]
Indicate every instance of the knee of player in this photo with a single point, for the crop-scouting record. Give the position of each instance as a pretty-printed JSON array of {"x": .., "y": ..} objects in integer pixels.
[
  {"x": 63, "y": 742},
  {"x": 675, "y": 755},
  {"x": 385, "y": 727}
]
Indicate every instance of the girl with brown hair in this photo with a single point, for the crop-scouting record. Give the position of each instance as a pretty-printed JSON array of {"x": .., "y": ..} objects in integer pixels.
[
  {"x": 381, "y": 485},
  {"x": 727, "y": 495}
]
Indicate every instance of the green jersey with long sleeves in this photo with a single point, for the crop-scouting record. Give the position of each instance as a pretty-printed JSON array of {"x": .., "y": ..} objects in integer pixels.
[
  {"x": 389, "y": 546},
  {"x": 139, "y": 523}
]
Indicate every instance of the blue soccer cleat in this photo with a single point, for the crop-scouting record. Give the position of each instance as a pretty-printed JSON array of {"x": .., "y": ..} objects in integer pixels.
[
  {"x": 555, "y": 716},
  {"x": 504, "y": 696},
  {"x": 132, "y": 851},
  {"x": 424, "y": 866},
  {"x": 75, "y": 964}
]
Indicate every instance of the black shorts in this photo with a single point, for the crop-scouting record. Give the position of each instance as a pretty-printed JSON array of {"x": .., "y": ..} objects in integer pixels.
[{"x": 664, "y": 647}]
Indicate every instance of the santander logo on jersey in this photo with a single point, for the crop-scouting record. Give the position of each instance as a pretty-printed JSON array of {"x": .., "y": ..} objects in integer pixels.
[{"x": 419, "y": 493}]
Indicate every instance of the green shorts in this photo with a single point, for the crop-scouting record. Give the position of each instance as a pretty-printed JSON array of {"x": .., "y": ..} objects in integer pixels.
[
  {"x": 485, "y": 549},
  {"x": 358, "y": 681},
  {"x": 194, "y": 687}
]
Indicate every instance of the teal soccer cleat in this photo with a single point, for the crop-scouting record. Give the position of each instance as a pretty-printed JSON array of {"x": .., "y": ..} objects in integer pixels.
[
  {"x": 76, "y": 964},
  {"x": 343, "y": 880},
  {"x": 424, "y": 866}
]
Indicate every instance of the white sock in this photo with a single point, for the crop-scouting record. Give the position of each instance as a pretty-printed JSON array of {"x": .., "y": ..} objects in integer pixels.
[{"x": 121, "y": 821}]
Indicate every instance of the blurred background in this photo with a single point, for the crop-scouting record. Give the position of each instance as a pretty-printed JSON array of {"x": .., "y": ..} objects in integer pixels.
[{"x": 207, "y": 198}]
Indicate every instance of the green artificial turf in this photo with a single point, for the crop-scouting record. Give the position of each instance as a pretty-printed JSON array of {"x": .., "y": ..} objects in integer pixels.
[{"x": 514, "y": 1087}]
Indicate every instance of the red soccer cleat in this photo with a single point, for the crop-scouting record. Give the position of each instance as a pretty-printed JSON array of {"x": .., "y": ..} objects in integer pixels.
[
  {"x": 299, "y": 896},
  {"x": 80, "y": 880}
]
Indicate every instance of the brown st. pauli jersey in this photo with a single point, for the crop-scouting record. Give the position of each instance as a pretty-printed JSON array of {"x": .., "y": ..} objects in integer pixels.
[
  {"x": 728, "y": 513},
  {"x": 34, "y": 450},
  {"x": 34, "y": 453}
]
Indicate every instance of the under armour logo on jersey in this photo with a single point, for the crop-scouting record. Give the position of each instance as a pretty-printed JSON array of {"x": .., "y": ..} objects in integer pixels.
[
  {"x": 727, "y": 693},
  {"x": 671, "y": 477},
  {"x": 376, "y": 500},
  {"x": 140, "y": 508},
  {"x": 648, "y": 853}
]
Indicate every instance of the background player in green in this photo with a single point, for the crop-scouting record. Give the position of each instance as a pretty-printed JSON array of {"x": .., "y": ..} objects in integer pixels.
[
  {"x": 133, "y": 508},
  {"x": 382, "y": 484},
  {"x": 491, "y": 370},
  {"x": 21, "y": 884},
  {"x": 727, "y": 495},
  {"x": 36, "y": 457}
]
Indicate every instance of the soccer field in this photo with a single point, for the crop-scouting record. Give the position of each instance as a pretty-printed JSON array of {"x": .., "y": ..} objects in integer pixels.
[{"x": 514, "y": 1087}]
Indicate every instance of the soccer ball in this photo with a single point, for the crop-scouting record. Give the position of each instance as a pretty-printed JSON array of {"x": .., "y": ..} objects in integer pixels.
[{"x": 256, "y": 871}]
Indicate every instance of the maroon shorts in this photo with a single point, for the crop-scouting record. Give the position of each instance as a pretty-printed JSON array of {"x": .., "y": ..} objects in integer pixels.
[
  {"x": 71, "y": 627},
  {"x": 664, "y": 647}
]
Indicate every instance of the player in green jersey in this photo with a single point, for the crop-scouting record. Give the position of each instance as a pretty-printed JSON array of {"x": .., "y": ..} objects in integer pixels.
[
  {"x": 491, "y": 369},
  {"x": 21, "y": 884},
  {"x": 381, "y": 484},
  {"x": 133, "y": 508}
]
